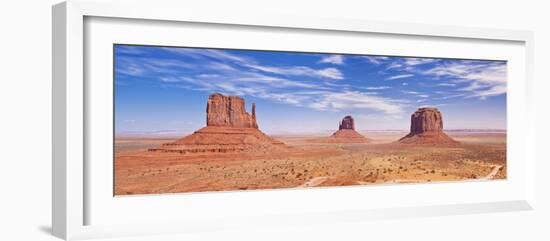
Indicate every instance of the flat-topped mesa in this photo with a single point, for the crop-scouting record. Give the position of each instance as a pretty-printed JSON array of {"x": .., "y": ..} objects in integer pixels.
[
  {"x": 427, "y": 128},
  {"x": 426, "y": 120},
  {"x": 347, "y": 123},
  {"x": 229, "y": 111},
  {"x": 345, "y": 134},
  {"x": 229, "y": 129}
]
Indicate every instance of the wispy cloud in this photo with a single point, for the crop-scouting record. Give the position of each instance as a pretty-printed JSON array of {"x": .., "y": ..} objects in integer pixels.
[
  {"x": 419, "y": 61},
  {"x": 415, "y": 93},
  {"x": 143, "y": 66},
  {"x": 401, "y": 76},
  {"x": 309, "y": 86},
  {"x": 483, "y": 78},
  {"x": 410, "y": 92},
  {"x": 377, "y": 88},
  {"x": 447, "y": 96},
  {"x": 223, "y": 59},
  {"x": 331, "y": 73},
  {"x": 130, "y": 50},
  {"x": 213, "y": 54},
  {"x": 234, "y": 75},
  {"x": 408, "y": 64},
  {"x": 356, "y": 100},
  {"x": 476, "y": 78},
  {"x": 375, "y": 59},
  {"x": 333, "y": 59},
  {"x": 446, "y": 84}
]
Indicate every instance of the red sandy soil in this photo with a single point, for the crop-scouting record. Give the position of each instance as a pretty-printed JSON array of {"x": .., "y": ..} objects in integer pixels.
[{"x": 302, "y": 163}]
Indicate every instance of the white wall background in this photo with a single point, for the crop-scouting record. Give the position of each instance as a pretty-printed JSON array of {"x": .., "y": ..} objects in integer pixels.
[{"x": 25, "y": 120}]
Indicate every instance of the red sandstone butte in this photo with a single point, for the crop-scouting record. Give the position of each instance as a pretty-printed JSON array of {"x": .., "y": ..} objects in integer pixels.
[
  {"x": 427, "y": 128},
  {"x": 229, "y": 128},
  {"x": 229, "y": 111},
  {"x": 346, "y": 133}
]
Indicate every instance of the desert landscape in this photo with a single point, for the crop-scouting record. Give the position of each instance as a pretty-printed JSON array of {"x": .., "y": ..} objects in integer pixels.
[{"x": 232, "y": 153}]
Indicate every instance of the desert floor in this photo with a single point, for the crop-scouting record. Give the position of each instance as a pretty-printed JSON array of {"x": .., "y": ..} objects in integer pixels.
[{"x": 480, "y": 156}]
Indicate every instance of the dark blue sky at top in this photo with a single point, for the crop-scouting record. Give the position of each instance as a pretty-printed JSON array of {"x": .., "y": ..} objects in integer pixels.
[{"x": 164, "y": 89}]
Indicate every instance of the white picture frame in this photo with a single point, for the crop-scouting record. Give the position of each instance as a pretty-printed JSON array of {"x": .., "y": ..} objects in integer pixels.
[{"x": 71, "y": 188}]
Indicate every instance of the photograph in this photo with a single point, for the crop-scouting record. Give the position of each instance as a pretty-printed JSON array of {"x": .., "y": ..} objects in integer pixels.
[{"x": 196, "y": 119}]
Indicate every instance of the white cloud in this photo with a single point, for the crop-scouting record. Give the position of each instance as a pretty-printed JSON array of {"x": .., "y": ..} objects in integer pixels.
[
  {"x": 170, "y": 79},
  {"x": 220, "y": 66},
  {"x": 410, "y": 92},
  {"x": 333, "y": 59},
  {"x": 409, "y": 64},
  {"x": 235, "y": 75},
  {"x": 356, "y": 100},
  {"x": 401, "y": 76},
  {"x": 484, "y": 79},
  {"x": 394, "y": 65},
  {"x": 130, "y": 69},
  {"x": 375, "y": 59},
  {"x": 415, "y": 93},
  {"x": 446, "y": 97},
  {"x": 419, "y": 61},
  {"x": 223, "y": 59},
  {"x": 219, "y": 55},
  {"x": 133, "y": 50},
  {"x": 331, "y": 73},
  {"x": 433, "y": 105},
  {"x": 447, "y": 84},
  {"x": 323, "y": 100},
  {"x": 377, "y": 88},
  {"x": 492, "y": 91}
]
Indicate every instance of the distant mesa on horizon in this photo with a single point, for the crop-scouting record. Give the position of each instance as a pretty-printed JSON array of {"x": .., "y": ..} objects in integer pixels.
[
  {"x": 229, "y": 128},
  {"x": 346, "y": 133},
  {"x": 427, "y": 128},
  {"x": 347, "y": 123}
]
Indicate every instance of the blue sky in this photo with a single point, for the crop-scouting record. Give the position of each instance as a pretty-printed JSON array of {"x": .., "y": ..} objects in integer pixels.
[{"x": 164, "y": 89}]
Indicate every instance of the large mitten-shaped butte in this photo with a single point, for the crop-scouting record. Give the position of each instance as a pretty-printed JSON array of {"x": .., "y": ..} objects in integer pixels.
[{"x": 229, "y": 128}]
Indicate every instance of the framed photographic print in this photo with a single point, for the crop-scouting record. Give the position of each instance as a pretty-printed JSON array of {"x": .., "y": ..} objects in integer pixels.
[{"x": 180, "y": 121}]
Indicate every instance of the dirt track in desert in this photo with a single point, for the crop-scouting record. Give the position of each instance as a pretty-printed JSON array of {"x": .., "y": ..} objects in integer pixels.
[{"x": 478, "y": 156}]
